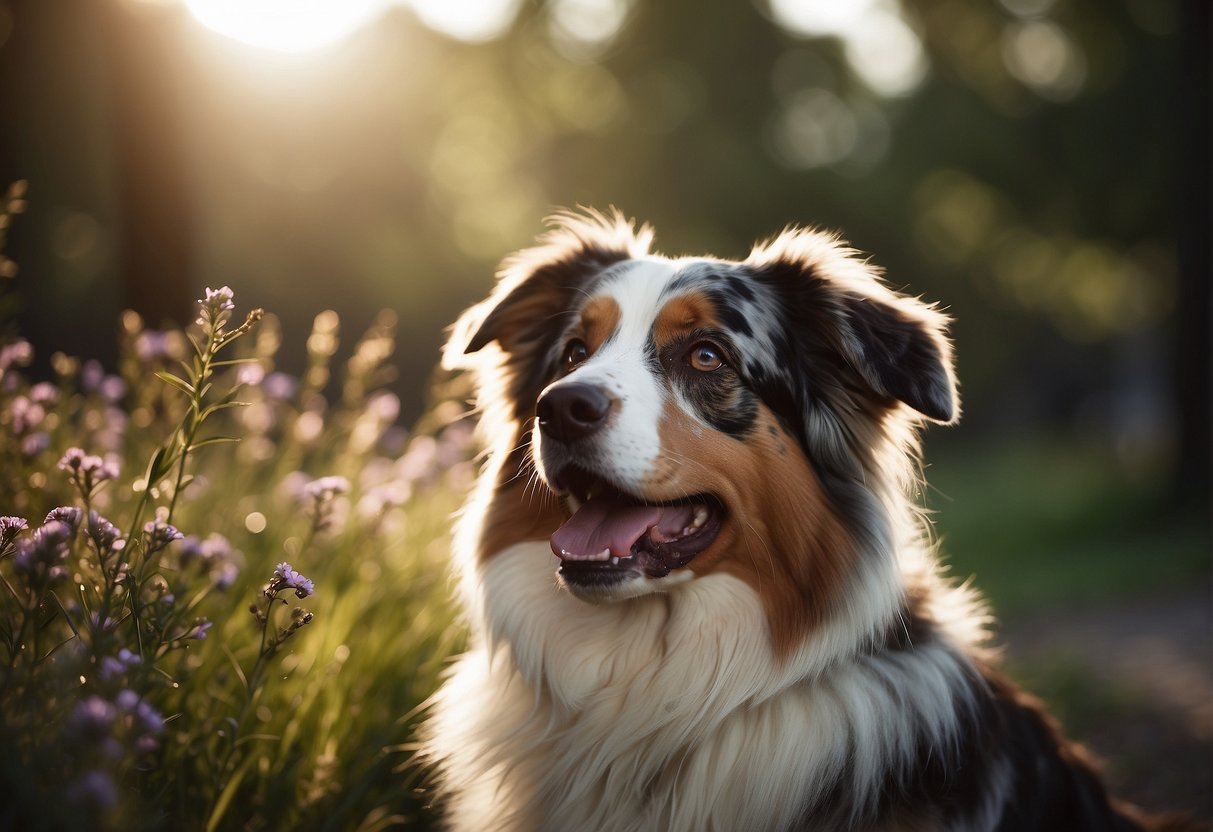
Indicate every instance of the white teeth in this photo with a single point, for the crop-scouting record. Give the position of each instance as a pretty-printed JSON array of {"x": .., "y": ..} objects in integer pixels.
[
  {"x": 701, "y": 517},
  {"x": 614, "y": 561},
  {"x": 567, "y": 555}
]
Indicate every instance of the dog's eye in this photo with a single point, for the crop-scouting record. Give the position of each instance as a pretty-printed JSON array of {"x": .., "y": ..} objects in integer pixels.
[
  {"x": 575, "y": 354},
  {"x": 705, "y": 357}
]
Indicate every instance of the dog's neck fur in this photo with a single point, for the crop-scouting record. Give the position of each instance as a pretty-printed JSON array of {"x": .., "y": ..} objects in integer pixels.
[{"x": 592, "y": 726}]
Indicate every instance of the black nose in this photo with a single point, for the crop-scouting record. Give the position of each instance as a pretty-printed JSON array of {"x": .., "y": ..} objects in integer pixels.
[{"x": 568, "y": 412}]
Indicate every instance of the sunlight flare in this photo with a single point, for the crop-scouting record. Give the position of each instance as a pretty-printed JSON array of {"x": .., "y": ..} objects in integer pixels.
[{"x": 285, "y": 25}]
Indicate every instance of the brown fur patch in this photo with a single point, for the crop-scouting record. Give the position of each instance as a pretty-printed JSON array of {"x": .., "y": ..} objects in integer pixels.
[
  {"x": 599, "y": 318},
  {"x": 522, "y": 508},
  {"x": 782, "y": 535},
  {"x": 682, "y": 315}
]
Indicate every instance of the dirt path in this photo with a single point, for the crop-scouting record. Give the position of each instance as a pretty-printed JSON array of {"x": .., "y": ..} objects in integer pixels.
[{"x": 1133, "y": 681}]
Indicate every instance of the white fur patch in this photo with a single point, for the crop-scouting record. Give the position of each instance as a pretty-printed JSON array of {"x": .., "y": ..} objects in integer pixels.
[
  {"x": 630, "y": 445},
  {"x": 669, "y": 711}
]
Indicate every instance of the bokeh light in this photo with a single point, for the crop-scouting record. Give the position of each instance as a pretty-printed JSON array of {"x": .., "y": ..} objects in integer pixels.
[
  {"x": 468, "y": 20},
  {"x": 880, "y": 46},
  {"x": 285, "y": 25}
]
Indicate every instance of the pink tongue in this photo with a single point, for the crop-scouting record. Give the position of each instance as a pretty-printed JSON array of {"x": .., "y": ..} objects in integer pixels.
[{"x": 603, "y": 523}]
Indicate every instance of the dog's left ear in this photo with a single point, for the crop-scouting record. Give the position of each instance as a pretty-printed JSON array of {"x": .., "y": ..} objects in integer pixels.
[
  {"x": 897, "y": 344},
  {"x": 536, "y": 285}
]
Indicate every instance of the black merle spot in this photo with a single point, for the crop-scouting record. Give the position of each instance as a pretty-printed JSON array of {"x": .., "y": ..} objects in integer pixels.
[
  {"x": 740, "y": 287},
  {"x": 730, "y": 311}
]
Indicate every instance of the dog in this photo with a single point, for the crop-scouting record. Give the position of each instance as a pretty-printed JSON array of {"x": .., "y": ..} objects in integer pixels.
[{"x": 701, "y": 595}]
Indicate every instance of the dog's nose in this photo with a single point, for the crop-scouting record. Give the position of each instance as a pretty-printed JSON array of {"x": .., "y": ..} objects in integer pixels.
[{"x": 568, "y": 412}]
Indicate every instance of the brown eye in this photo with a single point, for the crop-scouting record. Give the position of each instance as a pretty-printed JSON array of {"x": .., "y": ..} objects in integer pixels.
[
  {"x": 705, "y": 357},
  {"x": 575, "y": 354}
]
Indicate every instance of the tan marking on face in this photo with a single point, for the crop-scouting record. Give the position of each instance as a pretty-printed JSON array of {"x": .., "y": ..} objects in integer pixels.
[
  {"x": 681, "y": 315},
  {"x": 781, "y": 535},
  {"x": 599, "y": 318},
  {"x": 522, "y": 507}
]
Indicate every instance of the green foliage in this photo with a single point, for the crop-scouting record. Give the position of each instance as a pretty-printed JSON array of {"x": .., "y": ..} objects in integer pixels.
[
  {"x": 150, "y": 681},
  {"x": 1041, "y": 522}
]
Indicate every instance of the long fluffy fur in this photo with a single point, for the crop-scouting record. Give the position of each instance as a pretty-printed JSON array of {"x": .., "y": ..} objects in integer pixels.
[{"x": 864, "y": 700}]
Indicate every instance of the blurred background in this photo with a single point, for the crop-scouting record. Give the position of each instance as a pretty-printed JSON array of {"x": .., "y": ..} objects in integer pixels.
[{"x": 1039, "y": 167}]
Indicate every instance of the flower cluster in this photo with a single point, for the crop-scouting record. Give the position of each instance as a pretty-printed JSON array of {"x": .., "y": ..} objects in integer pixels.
[
  {"x": 41, "y": 559},
  {"x": 285, "y": 577},
  {"x": 215, "y": 309},
  {"x": 116, "y": 615},
  {"x": 87, "y": 471},
  {"x": 159, "y": 533},
  {"x": 10, "y": 527},
  {"x": 214, "y": 557},
  {"x": 321, "y": 496}
]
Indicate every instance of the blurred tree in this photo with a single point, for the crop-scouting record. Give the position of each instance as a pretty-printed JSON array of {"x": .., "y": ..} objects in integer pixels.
[{"x": 155, "y": 234}]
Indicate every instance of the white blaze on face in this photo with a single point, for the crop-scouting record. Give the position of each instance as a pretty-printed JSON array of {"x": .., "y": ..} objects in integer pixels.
[{"x": 631, "y": 443}]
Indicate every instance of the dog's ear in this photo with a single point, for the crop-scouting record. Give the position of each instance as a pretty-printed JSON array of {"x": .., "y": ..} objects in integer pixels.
[
  {"x": 897, "y": 344},
  {"x": 536, "y": 285}
]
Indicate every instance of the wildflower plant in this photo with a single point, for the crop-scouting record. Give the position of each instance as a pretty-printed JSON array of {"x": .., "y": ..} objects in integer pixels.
[{"x": 221, "y": 595}]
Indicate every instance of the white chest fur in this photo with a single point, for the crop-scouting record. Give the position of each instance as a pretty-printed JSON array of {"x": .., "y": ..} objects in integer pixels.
[{"x": 668, "y": 711}]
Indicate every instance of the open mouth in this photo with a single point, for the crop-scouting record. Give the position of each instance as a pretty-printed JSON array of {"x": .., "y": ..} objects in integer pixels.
[{"x": 613, "y": 535}]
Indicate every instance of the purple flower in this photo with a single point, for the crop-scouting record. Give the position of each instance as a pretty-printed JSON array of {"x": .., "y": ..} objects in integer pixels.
[
  {"x": 44, "y": 393},
  {"x": 159, "y": 532},
  {"x": 251, "y": 374},
  {"x": 101, "y": 625},
  {"x": 285, "y": 577},
  {"x": 112, "y": 388},
  {"x": 87, "y": 471},
  {"x": 324, "y": 511},
  {"x": 214, "y": 555},
  {"x": 17, "y": 354},
  {"x": 201, "y": 626},
  {"x": 143, "y": 722},
  {"x": 216, "y": 308},
  {"x": 127, "y": 700},
  {"x": 91, "y": 376},
  {"x": 214, "y": 549},
  {"x": 72, "y": 459},
  {"x": 94, "y": 789},
  {"x": 151, "y": 344},
  {"x": 69, "y": 515},
  {"x": 42, "y": 556},
  {"x": 104, "y": 534},
  {"x": 325, "y": 488},
  {"x": 225, "y": 575},
  {"x": 220, "y": 298},
  {"x": 24, "y": 415},
  {"x": 91, "y": 720},
  {"x": 280, "y": 386},
  {"x": 10, "y": 527},
  {"x": 35, "y": 444},
  {"x": 114, "y": 666}
]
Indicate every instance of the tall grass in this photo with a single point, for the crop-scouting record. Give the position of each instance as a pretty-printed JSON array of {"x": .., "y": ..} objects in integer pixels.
[{"x": 151, "y": 678}]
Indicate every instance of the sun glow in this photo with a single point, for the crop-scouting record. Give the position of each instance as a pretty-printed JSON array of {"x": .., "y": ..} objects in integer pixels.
[{"x": 285, "y": 25}]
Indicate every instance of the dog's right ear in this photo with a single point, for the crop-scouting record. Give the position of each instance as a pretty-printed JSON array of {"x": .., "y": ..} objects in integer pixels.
[{"x": 537, "y": 285}]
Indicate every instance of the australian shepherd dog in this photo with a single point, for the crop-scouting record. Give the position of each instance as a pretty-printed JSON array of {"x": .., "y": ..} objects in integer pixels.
[{"x": 701, "y": 591}]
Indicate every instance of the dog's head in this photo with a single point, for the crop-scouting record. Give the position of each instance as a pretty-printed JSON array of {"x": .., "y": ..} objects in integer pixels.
[{"x": 699, "y": 415}]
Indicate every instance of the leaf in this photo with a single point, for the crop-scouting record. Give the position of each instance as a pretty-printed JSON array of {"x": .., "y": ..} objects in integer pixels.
[
  {"x": 231, "y": 362},
  {"x": 194, "y": 344},
  {"x": 222, "y": 406},
  {"x": 180, "y": 383},
  {"x": 214, "y": 440},
  {"x": 157, "y": 467},
  {"x": 229, "y": 791},
  {"x": 235, "y": 665}
]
